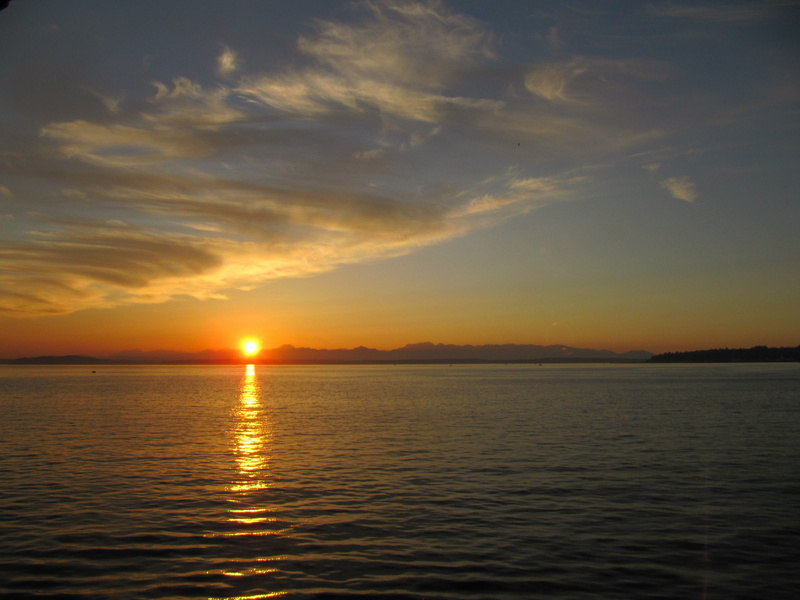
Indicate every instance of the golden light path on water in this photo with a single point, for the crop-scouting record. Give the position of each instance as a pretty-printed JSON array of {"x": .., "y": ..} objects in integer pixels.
[
  {"x": 251, "y": 437},
  {"x": 248, "y": 516}
]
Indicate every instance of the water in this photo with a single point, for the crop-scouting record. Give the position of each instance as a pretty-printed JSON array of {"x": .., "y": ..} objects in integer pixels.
[{"x": 402, "y": 482}]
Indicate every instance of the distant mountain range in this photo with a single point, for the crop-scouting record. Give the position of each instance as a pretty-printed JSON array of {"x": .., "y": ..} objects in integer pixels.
[
  {"x": 421, "y": 352},
  {"x": 424, "y": 352}
]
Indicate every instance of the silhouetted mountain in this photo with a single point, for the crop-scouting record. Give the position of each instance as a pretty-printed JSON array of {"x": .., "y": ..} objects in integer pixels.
[
  {"x": 160, "y": 356},
  {"x": 410, "y": 353},
  {"x": 428, "y": 352},
  {"x": 507, "y": 352},
  {"x": 72, "y": 359}
]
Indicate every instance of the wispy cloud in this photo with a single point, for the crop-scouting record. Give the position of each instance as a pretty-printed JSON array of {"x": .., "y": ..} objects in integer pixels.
[
  {"x": 419, "y": 44},
  {"x": 123, "y": 145},
  {"x": 227, "y": 62},
  {"x": 395, "y": 63},
  {"x": 111, "y": 104},
  {"x": 523, "y": 195},
  {"x": 681, "y": 188},
  {"x": 97, "y": 264},
  {"x": 202, "y": 235},
  {"x": 591, "y": 80}
]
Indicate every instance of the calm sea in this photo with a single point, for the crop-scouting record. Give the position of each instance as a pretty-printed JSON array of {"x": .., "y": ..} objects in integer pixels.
[{"x": 402, "y": 482}]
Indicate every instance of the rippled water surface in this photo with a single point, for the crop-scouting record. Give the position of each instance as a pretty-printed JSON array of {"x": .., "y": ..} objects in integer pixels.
[{"x": 438, "y": 482}]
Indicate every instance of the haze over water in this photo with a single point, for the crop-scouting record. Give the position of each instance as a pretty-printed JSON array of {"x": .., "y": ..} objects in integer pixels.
[{"x": 625, "y": 481}]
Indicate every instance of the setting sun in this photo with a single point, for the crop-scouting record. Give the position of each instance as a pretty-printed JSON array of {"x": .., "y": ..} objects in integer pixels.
[{"x": 250, "y": 347}]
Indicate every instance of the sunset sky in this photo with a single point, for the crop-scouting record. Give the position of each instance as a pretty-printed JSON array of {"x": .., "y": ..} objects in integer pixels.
[{"x": 184, "y": 174}]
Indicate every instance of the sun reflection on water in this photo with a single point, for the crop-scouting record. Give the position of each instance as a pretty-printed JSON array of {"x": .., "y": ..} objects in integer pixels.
[
  {"x": 250, "y": 515},
  {"x": 251, "y": 437}
]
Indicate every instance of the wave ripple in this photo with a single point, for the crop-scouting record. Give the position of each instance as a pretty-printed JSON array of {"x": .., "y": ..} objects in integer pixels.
[{"x": 400, "y": 482}]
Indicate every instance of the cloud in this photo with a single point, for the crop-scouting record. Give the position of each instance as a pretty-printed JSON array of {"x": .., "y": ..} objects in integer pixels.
[
  {"x": 202, "y": 235},
  {"x": 187, "y": 104},
  {"x": 521, "y": 195},
  {"x": 681, "y": 188},
  {"x": 227, "y": 62},
  {"x": 100, "y": 265},
  {"x": 122, "y": 145},
  {"x": 419, "y": 44},
  {"x": 312, "y": 95},
  {"x": 585, "y": 80},
  {"x": 184, "y": 111},
  {"x": 373, "y": 154},
  {"x": 112, "y": 104},
  {"x": 550, "y": 81},
  {"x": 395, "y": 63}
]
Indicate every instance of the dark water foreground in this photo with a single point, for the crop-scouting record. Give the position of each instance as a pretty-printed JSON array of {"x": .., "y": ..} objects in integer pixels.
[{"x": 636, "y": 481}]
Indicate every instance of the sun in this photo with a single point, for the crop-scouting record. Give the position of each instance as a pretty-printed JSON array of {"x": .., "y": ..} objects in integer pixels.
[{"x": 250, "y": 347}]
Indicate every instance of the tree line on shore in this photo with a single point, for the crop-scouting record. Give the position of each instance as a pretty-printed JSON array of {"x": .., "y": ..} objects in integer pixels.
[{"x": 754, "y": 354}]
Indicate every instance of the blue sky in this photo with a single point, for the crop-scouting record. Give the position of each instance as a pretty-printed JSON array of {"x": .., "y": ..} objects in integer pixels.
[{"x": 615, "y": 174}]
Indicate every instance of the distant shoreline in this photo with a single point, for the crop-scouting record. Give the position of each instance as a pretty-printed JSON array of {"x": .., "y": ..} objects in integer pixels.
[
  {"x": 719, "y": 355},
  {"x": 731, "y": 355},
  {"x": 416, "y": 353},
  {"x": 89, "y": 360}
]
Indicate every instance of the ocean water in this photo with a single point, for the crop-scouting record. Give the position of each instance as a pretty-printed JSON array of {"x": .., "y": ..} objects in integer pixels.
[{"x": 402, "y": 482}]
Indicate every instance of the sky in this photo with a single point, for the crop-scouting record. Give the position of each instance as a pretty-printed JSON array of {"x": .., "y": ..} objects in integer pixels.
[{"x": 612, "y": 175}]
